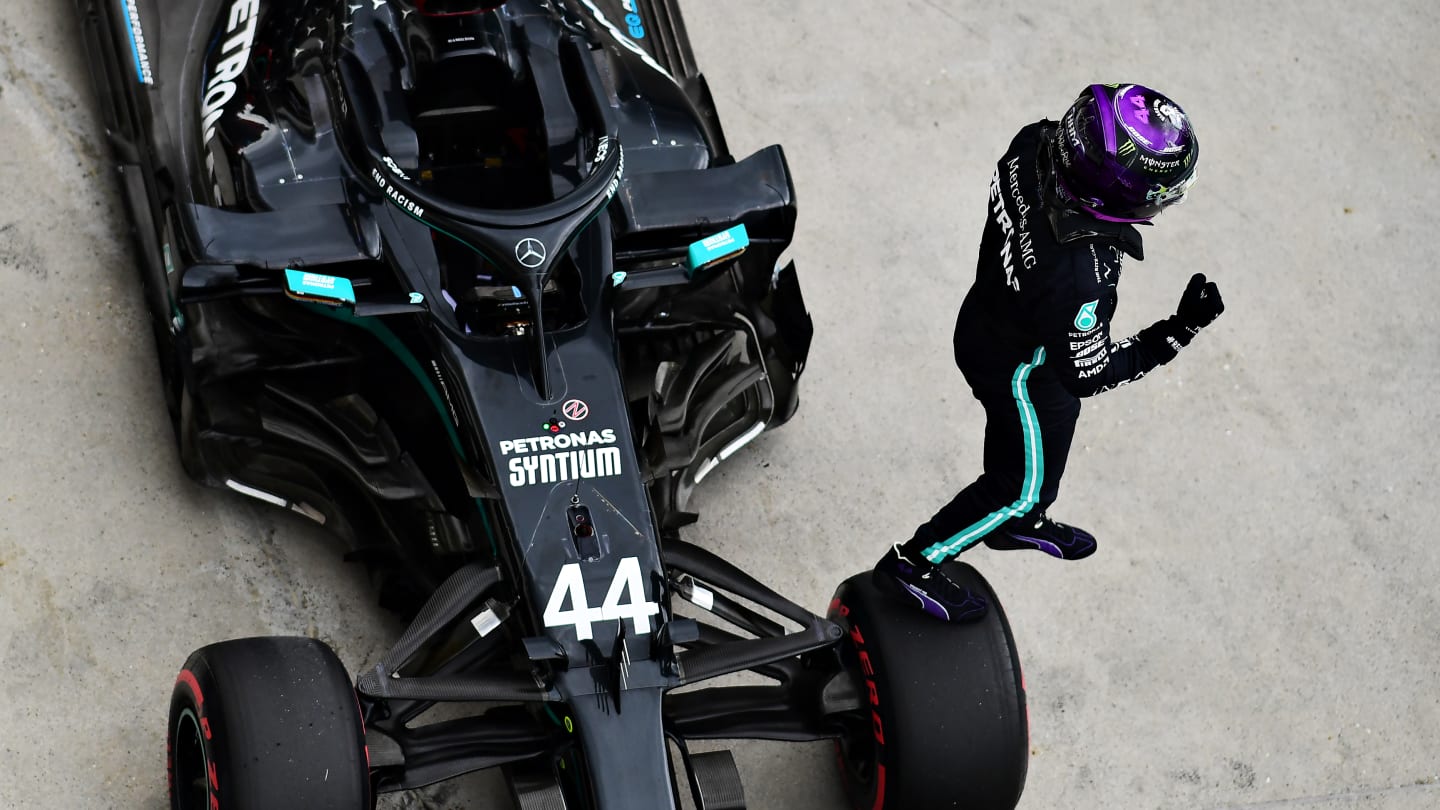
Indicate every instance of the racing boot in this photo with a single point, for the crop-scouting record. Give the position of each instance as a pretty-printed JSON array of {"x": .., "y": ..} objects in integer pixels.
[
  {"x": 912, "y": 577},
  {"x": 1042, "y": 533}
]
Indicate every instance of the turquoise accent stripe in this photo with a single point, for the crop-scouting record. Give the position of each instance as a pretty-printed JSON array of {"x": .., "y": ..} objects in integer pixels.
[
  {"x": 134, "y": 44},
  {"x": 402, "y": 352},
  {"x": 1034, "y": 471},
  {"x": 407, "y": 359}
]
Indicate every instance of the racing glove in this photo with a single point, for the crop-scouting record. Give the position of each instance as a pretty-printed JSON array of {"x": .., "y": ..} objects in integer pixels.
[{"x": 1200, "y": 305}]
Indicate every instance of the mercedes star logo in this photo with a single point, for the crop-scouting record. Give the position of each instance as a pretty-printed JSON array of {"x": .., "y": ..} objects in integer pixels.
[{"x": 530, "y": 252}]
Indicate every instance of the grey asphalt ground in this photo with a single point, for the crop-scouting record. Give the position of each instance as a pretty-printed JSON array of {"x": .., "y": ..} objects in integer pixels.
[{"x": 1260, "y": 628}]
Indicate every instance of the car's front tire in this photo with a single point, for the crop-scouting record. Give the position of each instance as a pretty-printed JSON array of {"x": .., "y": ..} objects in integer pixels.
[
  {"x": 944, "y": 723},
  {"x": 266, "y": 723}
]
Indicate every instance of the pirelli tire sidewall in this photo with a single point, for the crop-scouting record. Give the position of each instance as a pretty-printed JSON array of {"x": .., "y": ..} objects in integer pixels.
[
  {"x": 253, "y": 722},
  {"x": 944, "y": 721}
]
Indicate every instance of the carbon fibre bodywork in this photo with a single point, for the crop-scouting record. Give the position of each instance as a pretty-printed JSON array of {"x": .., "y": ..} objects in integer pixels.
[{"x": 425, "y": 280}]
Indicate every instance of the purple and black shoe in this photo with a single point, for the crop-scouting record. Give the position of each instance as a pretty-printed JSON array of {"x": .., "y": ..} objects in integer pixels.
[
  {"x": 1041, "y": 533},
  {"x": 921, "y": 582}
]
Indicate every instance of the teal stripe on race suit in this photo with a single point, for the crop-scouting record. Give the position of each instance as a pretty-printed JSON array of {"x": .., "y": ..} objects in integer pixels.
[{"x": 1034, "y": 471}]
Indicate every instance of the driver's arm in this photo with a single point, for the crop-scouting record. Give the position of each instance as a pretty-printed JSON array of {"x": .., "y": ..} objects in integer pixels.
[{"x": 1079, "y": 344}]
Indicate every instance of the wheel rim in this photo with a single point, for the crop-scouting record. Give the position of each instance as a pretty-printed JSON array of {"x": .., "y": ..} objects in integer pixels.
[
  {"x": 192, "y": 789},
  {"x": 856, "y": 754}
]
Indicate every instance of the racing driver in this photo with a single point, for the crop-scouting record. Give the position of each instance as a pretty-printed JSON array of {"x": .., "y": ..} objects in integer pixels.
[{"x": 1033, "y": 334}]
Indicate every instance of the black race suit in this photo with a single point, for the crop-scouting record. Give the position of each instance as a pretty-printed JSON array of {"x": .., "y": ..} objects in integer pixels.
[{"x": 1032, "y": 338}]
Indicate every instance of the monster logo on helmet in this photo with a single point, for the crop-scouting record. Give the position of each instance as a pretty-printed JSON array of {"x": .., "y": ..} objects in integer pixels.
[{"x": 1123, "y": 153}]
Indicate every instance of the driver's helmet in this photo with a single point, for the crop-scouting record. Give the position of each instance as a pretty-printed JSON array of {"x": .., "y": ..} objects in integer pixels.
[
  {"x": 1124, "y": 152},
  {"x": 452, "y": 8}
]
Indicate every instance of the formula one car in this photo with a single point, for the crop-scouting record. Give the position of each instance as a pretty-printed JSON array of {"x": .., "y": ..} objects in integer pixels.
[{"x": 480, "y": 288}]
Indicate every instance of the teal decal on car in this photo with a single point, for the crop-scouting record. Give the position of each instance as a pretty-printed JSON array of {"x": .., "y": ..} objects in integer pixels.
[
  {"x": 320, "y": 288},
  {"x": 632, "y": 19},
  {"x": 715, "y": 249}
]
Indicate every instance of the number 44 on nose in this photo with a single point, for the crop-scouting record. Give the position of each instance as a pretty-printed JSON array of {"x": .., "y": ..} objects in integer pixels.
[{"x": 628, "y": 581}]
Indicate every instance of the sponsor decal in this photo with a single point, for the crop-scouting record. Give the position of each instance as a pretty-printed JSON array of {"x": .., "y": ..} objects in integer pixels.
[
  {"x": 1105, "y": 269},
  {"x": 1022, "y": 209},
  {"x": 872, "y": 692},
  {"x": 1007, "y": 226},
  {"x": 1016, "y": 230},
  {"x": 561, "y": 457},
  {"x": 1092, "y": 349},
  {"x": 1085, "y": 319},
  {"x": 615, "y": 181},
  {"x": 137, "y": 43},
  {"x": 234, "y": 57},
  {"x": 1071, "y": 135},
  {"x": 633, "y": 23},
  {"x": 1173, "y": 194},
  {"x": 401, "y": 201},
  {"x": 575, "y": 409},
  {"x": 1169, "y": 112},
  {"x": 445, "y": 390},
  {"x": 1114, "y": 268},
  {"x": 1158, "y": 165},
  {"x": 624, "y": 41},
  {"x": 394, "y": 167},
  {"x": 717, "y": 248},
  {"x": 319, "y": 287},
  {"x": 530, "y": 252},
  {"x": 719, "y": 240}
]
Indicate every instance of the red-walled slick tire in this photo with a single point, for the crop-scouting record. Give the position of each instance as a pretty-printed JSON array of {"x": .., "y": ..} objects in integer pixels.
[
  {"x": 264, "y": 724},
  {"x": 944, "y": 724}
]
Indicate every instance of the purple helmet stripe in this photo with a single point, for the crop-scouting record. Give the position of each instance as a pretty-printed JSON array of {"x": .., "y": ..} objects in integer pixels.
[
  {"x": 1107, "y": 123},
  {"x": 1091, "y": 210}
]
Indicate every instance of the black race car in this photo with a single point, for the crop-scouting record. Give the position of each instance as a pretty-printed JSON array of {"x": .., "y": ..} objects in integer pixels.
[{"x": 481, "y": 289}]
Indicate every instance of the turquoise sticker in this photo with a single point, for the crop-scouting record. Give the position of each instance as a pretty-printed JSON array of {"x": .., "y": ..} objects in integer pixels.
[
  {"x": 717, "y": 248},
  {"x": 1085, "y": 319},
  {"x": 318, "y": 287},
  {"x": 417, "y": 298},
  {"x": 617, "y": 278}
]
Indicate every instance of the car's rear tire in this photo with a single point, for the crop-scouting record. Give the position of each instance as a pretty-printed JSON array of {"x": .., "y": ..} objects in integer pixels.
[
  {"x": 945, "y": 723},
  {"x": 264, "y": 723}
]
